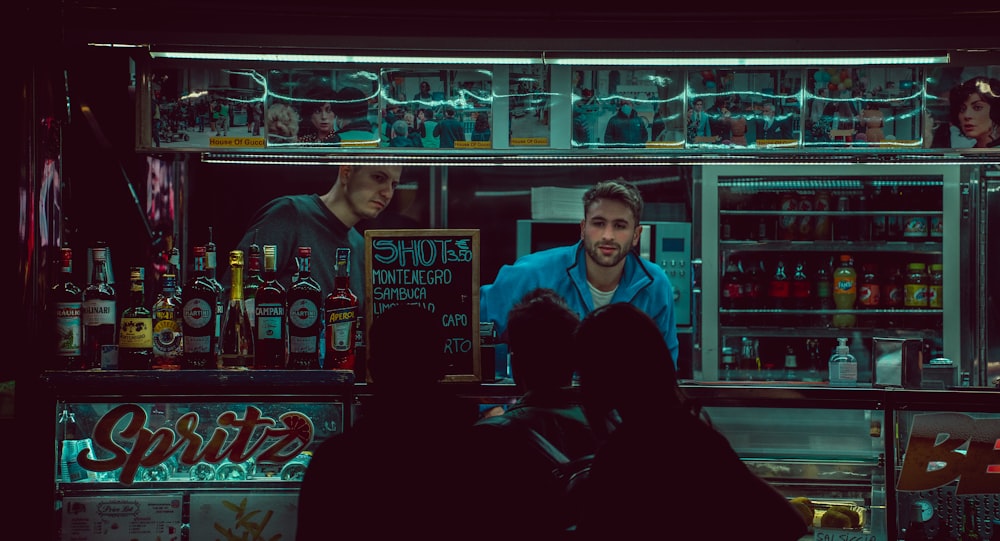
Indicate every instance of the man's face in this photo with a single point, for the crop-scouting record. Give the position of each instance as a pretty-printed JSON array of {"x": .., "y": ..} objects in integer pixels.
[
  {"x": 609, "y": 231},
  {"x": 767, "y": 111},
  {"x": 369, "y": 188}
]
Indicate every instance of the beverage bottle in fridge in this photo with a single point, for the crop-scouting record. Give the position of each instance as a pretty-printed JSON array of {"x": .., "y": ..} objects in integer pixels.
[
  {"x": 65, "y": 307},
  {"x": 732, "y": 286},
  {"x": 805, "y": 223},
  {"x": 341, "y": 314},
  {"x": 198, "y": 318},
  {"x": 753, "y": 289},
  {"x": 270, "y": 313},
  {"x": 236, "y": 342},
  {"x": 788, "y": 221},
  {"x": 824, "y": 292},
  {"x": 99, "y": 317},
  {"x": 935, "y": 285},
  {"x": 305, "y": 324},
  {"x": 845, "y": 292},
  {"x": 821, "y": 205},
  {"x": 869, "y": 288},
  {"x": 135, "y": 332},
  {"x": 880, "y": 224},
  {"x": 843, "y": 224},
  {"x": 915, "y": 288},
  {"x": 801, "y": 287},
  {"x": 779, "y": 290},
  {"x": 168, "y": 335}
]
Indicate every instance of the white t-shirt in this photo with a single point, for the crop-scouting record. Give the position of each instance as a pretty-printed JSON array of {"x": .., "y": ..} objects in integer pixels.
[{"x": 601, "y": 298}]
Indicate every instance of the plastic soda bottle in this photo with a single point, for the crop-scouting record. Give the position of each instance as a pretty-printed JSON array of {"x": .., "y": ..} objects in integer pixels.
[{"x": 845, "y": 291}]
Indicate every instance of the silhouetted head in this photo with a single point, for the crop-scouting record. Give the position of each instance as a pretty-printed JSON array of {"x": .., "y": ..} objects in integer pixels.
[
  {"x": 540, "y": 335},
  {"x": 407, "y": 348}
]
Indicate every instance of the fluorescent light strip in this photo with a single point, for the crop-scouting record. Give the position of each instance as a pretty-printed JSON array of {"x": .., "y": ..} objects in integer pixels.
[
  {"x": 338, "y": 58},
  {"x": 745, "y": 61},
  {"x": 543, "y": 59}
]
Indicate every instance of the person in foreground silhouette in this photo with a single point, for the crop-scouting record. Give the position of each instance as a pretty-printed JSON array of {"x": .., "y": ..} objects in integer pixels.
[
  {"x": 402, "y": 470},
  {"x": 663, "y": 470}
]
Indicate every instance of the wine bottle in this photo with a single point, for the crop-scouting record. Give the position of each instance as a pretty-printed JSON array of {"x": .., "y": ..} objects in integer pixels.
[
  {"x": 341, "y": 314},
  {"x": 269, "y": 313},
  {"x": 66, "y": 304},
  {"x": 252, "y": 280},
  {"x": 211, "y": 266},
  {"x": 168, "y": 336},
  {"x": 305, "y": 325},
  {"x": 236, "y": 341},
  {"x": 99, "y": 315},
  {"x": 198, "y": 322},
  {"x": 135, "y": 333}
]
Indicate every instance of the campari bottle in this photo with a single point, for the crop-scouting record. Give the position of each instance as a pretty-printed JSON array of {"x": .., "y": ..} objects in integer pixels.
[
  {"x": 269, "y": 314},
  {"x": 341, "y": 309}
]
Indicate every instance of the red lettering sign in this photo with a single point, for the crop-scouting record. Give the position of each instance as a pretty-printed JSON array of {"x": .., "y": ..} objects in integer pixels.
[
  {"x": 933, "y": 458},
  {"x": 277, "y": 442}
]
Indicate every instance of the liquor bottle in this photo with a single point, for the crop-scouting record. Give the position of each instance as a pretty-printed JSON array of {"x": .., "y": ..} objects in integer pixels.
[
  {"x": 269, "y": 313},
  {"x": 198, "y": 320},
  {"x": 135, "y": 334},
  {"x": 845, "y": 292},
  {"x": 236, "y": 342},
  {"x": 824, "y": 292},
  {"x": 168, "y": 336},
  {"x": 341, "y": 314},
  {"x": 211, "y": 267},
  {"x": 66, "y": 303},
  {"x": 99, "y": 315},
  {"x": 252, "y": 280},
  {"x": 305, "y": 325},
  {"x": 173, "y": 267},
  {"x": 801, "y": 287}
]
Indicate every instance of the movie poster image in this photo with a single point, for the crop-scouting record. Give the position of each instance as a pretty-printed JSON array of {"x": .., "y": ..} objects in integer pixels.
[
  {"x": 962, "y": 107},
  {"x": 200, "y": 109},
  {"x": 627, "y": 108},
  {"x": 413, "y": 101},
  {"x": 307, "y": 107},
  {"x": 871, "y": 107},
  {"x": 743, "y": 108},
  {"x": 530, "y": 106}
]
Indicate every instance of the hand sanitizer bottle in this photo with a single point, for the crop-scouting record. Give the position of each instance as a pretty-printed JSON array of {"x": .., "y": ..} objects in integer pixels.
[{"x": 843, "y": 366}]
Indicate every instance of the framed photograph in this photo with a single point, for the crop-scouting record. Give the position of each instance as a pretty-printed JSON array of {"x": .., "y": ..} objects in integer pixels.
[
  {"x": 959, "y": 111},
  {"x": 322, "y": 107},
  {"x": 746, "y": 108},
  {"x": 529, "y": 106},
  {"x": 877, "y": 107},
  {"x": 627, "y": 108}
]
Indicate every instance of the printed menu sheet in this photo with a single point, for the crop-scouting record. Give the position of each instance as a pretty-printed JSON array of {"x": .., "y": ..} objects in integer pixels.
[{"x": 122, "y": 518}]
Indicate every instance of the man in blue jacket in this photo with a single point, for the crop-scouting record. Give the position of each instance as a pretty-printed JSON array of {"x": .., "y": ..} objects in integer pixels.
[{"x": 599, "y": 269}]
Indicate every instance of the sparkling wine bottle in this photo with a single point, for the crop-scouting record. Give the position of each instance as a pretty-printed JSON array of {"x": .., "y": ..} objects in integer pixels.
[{"x": 236, "y": 341}]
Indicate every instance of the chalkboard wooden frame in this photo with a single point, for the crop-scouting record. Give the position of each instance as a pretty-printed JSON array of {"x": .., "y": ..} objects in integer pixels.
[{"x": 461, "y": 242}]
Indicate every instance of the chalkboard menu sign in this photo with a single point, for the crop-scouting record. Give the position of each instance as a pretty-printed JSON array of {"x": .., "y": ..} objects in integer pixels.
[{"x": 434, "y": 268}]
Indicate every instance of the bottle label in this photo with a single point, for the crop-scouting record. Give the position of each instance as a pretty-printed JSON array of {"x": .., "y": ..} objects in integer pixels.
[
  {"x": 779, "y": 289},
  {"x": 934, "y": 294},
  {"x": 198, "y": 313},
  {"x": 98, "y": 312},
  {"x": 915, "y": 226},
  {"x": 845, "y": 286},
  {"x": 250, "y": 304},
  {"x": 270, "y": 321},
  {"x": 197, "y": 344},
  {"x": 843, "y": 372},
  {"x": 915, "y": 295},
  {"x": 167, "y": 338},
  {"x": 69, "y": 335},
  {"x": 800, "y": 289},
  {"x": 303, "y": 314},
  {"x": 136, "y": 333},
  {"x": 303, "y": 344},
  {"x": 869, "y": 295},
  {"x": 340, "y": 332}
]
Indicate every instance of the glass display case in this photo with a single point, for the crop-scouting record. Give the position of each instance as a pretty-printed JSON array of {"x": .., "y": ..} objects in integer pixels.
[
  {"x": 797, "y": 256},
  {"x": 182, "y": 455}
]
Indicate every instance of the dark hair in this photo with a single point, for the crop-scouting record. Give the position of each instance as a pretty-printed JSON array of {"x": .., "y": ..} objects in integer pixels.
[
  {"x": 318, "y": 94},
  {"x": 351, "y": 102},
  {"x": 625, "y": 364},
  {"x": 615, "y": 190},
  {"x": 987, "y": 88},
  {"x": 406, "y": 343},
  {"x": 540, "y": 333}
]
